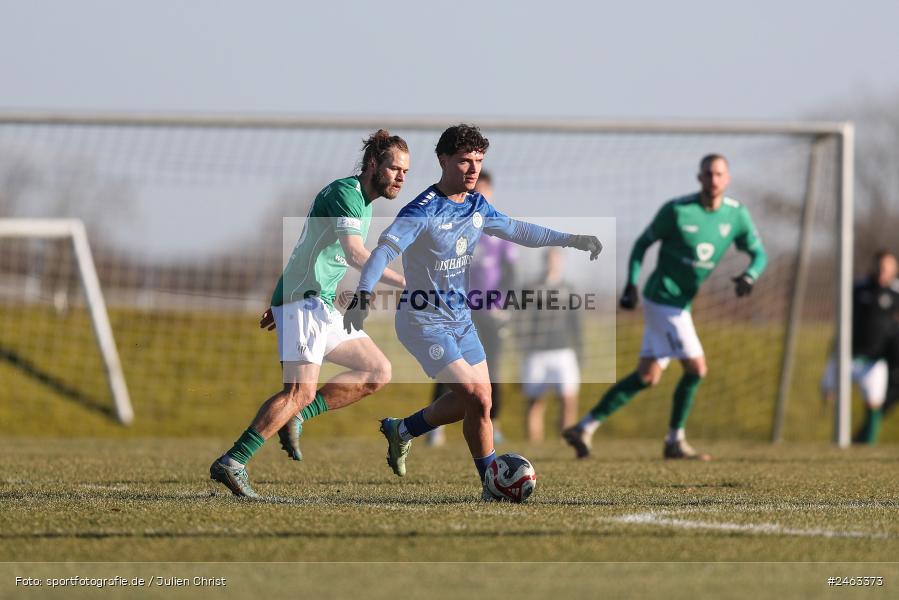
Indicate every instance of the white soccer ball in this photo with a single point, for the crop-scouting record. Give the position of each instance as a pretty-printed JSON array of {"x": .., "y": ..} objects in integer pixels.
[{"x": 510, "y": 477}]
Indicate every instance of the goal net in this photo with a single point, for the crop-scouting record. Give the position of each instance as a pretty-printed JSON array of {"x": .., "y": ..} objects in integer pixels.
[{"x": 186, "y": 217}]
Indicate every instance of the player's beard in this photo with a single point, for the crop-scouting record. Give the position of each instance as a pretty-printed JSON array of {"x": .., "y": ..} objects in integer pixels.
[{"x": 384, "y": 186}]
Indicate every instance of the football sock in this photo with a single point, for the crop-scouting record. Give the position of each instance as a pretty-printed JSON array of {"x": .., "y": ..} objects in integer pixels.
[
  {"x": 589, "y": 423},
  {"x": 316, "y": 407},
  {"x": 872, "y": 425},
  {"x": 676, "y": 435},
  {"x": 416, "y": 425},
  {"x": 246, "y": 446},
  {"x": 618, "y": 395},
  {"x": 484, "y": 462},
  {"x": 684, "y": 394}
]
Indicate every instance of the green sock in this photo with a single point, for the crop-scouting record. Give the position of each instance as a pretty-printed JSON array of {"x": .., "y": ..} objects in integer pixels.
[
  {"x": 872, "y": 427},
  {"x": 684, "y": 394},
  {"x": 618, "y": 395},
  {"x": 316, "y": 407},
  {"x": 245, "y": 447}
]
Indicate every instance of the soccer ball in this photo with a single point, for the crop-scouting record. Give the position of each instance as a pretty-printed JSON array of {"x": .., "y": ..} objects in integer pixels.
[{"x": 510, "y": 477}]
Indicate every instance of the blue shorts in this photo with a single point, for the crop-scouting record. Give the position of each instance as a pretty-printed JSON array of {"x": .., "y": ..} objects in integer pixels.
[{"x": 435, "y": 344}]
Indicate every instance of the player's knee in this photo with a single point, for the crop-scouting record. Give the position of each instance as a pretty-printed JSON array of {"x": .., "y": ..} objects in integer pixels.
[
  {"x": 651, "y": 377},
  {"x": 480, "y": 399},
  {"x": 700, "y": 370},
  {"x": 384, "y": 372},
  {"x": 379, "y": 376},
  {"x": 296, "y": 396}
]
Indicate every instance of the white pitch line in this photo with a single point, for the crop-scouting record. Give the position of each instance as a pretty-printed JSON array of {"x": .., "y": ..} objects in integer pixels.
[{"x": 760, "y": 528}]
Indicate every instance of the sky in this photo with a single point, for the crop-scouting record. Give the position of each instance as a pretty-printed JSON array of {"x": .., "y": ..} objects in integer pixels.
[
  {"x": 688, "y": 59},
  {"x": 460, "y": 60}
]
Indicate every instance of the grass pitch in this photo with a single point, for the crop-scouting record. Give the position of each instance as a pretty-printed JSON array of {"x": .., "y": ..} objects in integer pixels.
[{"x": 149, "y": 500}]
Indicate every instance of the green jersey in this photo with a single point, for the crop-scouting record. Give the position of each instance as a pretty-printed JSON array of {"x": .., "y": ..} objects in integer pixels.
[
  {"x": 317, "y": 263},
  {"x": 693, "y": 242}
]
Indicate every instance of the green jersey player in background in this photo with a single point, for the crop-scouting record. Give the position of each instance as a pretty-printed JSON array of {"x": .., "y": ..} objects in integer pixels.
[
  {"x": 309, "y": 328},
  {"x": 695, "y": 231}
]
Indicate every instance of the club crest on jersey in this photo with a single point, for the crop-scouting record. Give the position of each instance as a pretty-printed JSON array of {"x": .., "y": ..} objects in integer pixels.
[
  {"x": 477, "y": 220},
  {"x": 724, "y": 229},
  {"x": 435, "y": 351},
  {"x": 461, "y": 246},
  {"x": 704, "y": 251}
]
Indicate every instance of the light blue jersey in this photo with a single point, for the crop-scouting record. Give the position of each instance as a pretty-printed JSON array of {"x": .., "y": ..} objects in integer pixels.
[{"x": 437, "y": 238}]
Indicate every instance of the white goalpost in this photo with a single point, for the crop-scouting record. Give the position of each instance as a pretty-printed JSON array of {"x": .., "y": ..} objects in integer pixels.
[{"x": 73, "y": 230}]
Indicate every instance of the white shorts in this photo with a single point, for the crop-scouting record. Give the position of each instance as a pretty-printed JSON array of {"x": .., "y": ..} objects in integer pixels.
[
  {"x": 308, "y": 330},
  {"x": 550, "y": 369},
  {"x": 668, "y": 332},
  {"x": 871, "y": 378}
]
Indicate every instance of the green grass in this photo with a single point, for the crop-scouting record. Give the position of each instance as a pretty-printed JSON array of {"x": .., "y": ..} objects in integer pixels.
[
  {"x": 87, "y": 499},
  {"x": 623, "y": 524}
]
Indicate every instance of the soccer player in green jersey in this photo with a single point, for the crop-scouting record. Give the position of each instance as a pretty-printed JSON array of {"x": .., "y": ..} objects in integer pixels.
[
  {"x": 695, "y": 231},
  {"x": 309, "y": 328}
]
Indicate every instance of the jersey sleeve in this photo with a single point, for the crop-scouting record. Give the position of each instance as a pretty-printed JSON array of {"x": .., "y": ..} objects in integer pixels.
[
  {"x": 408, "y": 225},
  {"x": 522, "y": 233},
  {"x": 495, "y": 221},
  {"x": 748, "y": 241},
  {"x": 345, "y": 207},
  {"x": 662, "y": 226}
]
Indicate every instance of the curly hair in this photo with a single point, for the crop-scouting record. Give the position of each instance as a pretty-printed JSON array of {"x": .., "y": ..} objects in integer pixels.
[
  {"x": 378, "y": 145},
  {"x": 462, "y": 137}
]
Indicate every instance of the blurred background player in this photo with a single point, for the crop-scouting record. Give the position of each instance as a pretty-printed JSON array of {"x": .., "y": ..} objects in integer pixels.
[
  {"x": 437, "y": 234},
  {"x": 875, "y": 331},
  {"x": 550, "y": 339},
  {"x": 695, "y": 231},
  {"x": 492, "y": 268},
  {"x": 309, "y": 328}
]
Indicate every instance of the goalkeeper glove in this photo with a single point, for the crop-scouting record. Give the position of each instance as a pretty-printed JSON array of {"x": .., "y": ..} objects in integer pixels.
[
  {"x": 587, "y": 243},
  {"x": 743, "y": 285},
  {"x": 357, "y": 311},
  {"x": 629, "y": 298}
]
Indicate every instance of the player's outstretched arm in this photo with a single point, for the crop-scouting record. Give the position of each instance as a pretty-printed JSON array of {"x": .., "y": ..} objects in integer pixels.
[
  {"x": 532, "y": 235},
  {"x": 587, "y": 243}
]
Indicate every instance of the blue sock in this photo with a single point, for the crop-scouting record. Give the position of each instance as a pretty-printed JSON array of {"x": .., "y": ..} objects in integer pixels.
[
  {"x": 416, "y": 424},
  {"x": 483, "y": 463}
]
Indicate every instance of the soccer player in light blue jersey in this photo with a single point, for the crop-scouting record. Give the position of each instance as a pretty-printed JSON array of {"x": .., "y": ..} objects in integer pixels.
[{"x": 437, "y": 233}]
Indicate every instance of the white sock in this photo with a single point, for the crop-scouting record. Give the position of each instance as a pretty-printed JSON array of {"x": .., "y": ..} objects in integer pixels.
[
  {"x": 404, "y": 433},
  {"x": 675, "y": 435},
  {"x": 589, "y": 424}
]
